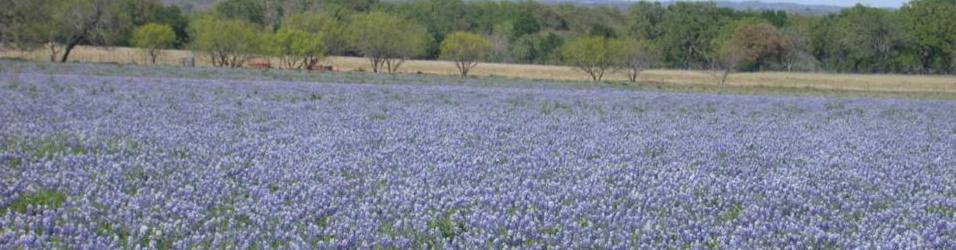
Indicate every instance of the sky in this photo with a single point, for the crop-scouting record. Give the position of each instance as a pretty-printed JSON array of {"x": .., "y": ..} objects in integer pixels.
[{"x": 872, "y": 3}]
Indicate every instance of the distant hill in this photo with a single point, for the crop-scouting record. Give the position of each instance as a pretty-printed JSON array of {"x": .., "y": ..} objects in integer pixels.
[{"x": 795, "y": 8}]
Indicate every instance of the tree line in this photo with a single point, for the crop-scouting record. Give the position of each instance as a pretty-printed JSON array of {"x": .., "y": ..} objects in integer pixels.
[{"x": 920, "y": 37}]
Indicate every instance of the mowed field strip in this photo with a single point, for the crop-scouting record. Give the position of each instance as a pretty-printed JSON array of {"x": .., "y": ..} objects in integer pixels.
[{"x": 853, "y": 82}]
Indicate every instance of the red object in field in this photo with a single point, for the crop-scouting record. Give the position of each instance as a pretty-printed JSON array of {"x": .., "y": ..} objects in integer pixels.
[
  {"x": 323, "y": 68},
  {"x": 259, "y": 64}
]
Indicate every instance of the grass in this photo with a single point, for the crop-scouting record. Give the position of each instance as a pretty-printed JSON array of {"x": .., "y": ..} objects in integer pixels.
[
  {"x": 47, "y": 199},
  {"x": 669, "y": 78}
]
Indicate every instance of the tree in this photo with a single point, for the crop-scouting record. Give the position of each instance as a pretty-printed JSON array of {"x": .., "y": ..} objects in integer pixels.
[
  {"x": 297, "y": 49},
  {"x": 227, "y": 43},
  {"x": 25, "y": 24},
  {"x": 932, "y": 24},
  {"x": 154, "y": 38},
  {"x": 644, "y": 18},
  {"x": 861, "y": 39},
  {"x": 688, "y": 30},
  {"x": 635, "y": 56},
  {"x": 85, "y": 21},
  {"x": 749, "y": 43},
  {"x": 602, "y": 30},
  {"x": 536, "y": 48},
  {"x": 797, "y": 55},
  {"x": 523, "y": 24},
  {"x": 385, "y": 39},
  {"x": 873, "y": 37},
  {"x": 466, "y": 49},
  {"x": 593, "y": 55},
  {"x": 333, "y": 33}
]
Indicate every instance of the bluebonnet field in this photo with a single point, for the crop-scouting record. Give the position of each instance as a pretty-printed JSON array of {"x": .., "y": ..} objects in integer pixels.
[{"x": 99, "y": 156}]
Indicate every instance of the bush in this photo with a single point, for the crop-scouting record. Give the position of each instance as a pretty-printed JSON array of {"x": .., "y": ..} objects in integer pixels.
[
  {"x": 297, "y": 49},
  {"x": 228, "y": 43},
  {"x": 153, "y": 38},
  {"x": 466, "y": 49},
  {"x": 385, "y": 39}
]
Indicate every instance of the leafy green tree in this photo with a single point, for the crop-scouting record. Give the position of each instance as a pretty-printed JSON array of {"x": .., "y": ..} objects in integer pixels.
[
  {"x": 602, "y": 30},
  {"x": 439, "y": 17},
  {"x": 644, "y": 19},
  {"x": 524, "y": 23},
  {"x": 465, "y": 49},
  {"x": 634, "y": 56},
  {"x": 776, "y": 17},
  {"x": 333, "y": 33},
  {"x": 251, "y": 11},
  {"x": 142, "y": 12},
  {"x": 932, "y": 24},
  {"x": 385, "y": 39},
  {"x": 22, "y": 27},
  {"x": 688, "y": 29},
  {"x": 153, "y": 38},
  {"x": 297, "y": 49},
  {"x": 593, "y": 55},
  {"x": 862, "y": 39},
  {"x": 536, "y": 48},
  {"x": 227, "y": 43},
  {"x": 92, "y": 22}
]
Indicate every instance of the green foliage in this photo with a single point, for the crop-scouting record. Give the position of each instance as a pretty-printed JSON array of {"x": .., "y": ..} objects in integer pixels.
[
  {"x": 153, "y": 38},
  {"x": 732, "y": 213},
  {"x": 297, "y": 49},
  {"x": 60, "y": 25},
  {"x": 593, "y": 55},
  {"x": 688, "y": 29},
  {"x": 919, "y": 38},
  {"x": 227, "y": 43},
  {"x": 22, "y": 27},
  {"x": 333, "y": 33},
  {"x": 386, "y": 39},
  {"x": 523, "y": 24},
  {"x": 440, "y": 18},
  {"x": 48, "y": 199},
  {"x": 466, "y": 49},
  {"x": 932, "y": 24},
  {"x": 862, "y": 39},
  {"x": 602, "y": 30},
  {"x": 536, "y": 48},
  {"x": 142, "y": 12},
  {"x": 644, "y": 20},
  {"x": 251, "y": 11}
]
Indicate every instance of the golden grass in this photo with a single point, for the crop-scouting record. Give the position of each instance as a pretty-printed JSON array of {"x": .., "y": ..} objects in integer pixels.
[{"x": 853, "y": 82}]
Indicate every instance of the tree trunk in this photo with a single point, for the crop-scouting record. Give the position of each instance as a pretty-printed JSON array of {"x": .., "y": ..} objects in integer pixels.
[
  {"x": 69, "y": 47},
  {"x": 54, "y": 51},
  {"x": 152, "y": 56},
  {"x": 723, "y": 78}
]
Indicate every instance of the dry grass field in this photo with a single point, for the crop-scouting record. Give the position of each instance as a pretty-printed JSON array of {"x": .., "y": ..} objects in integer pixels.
[{"x": 824, "y": 81}]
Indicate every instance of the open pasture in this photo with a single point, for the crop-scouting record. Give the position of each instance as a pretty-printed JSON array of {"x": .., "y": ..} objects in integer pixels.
[{"x": 94, "y": 160}]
